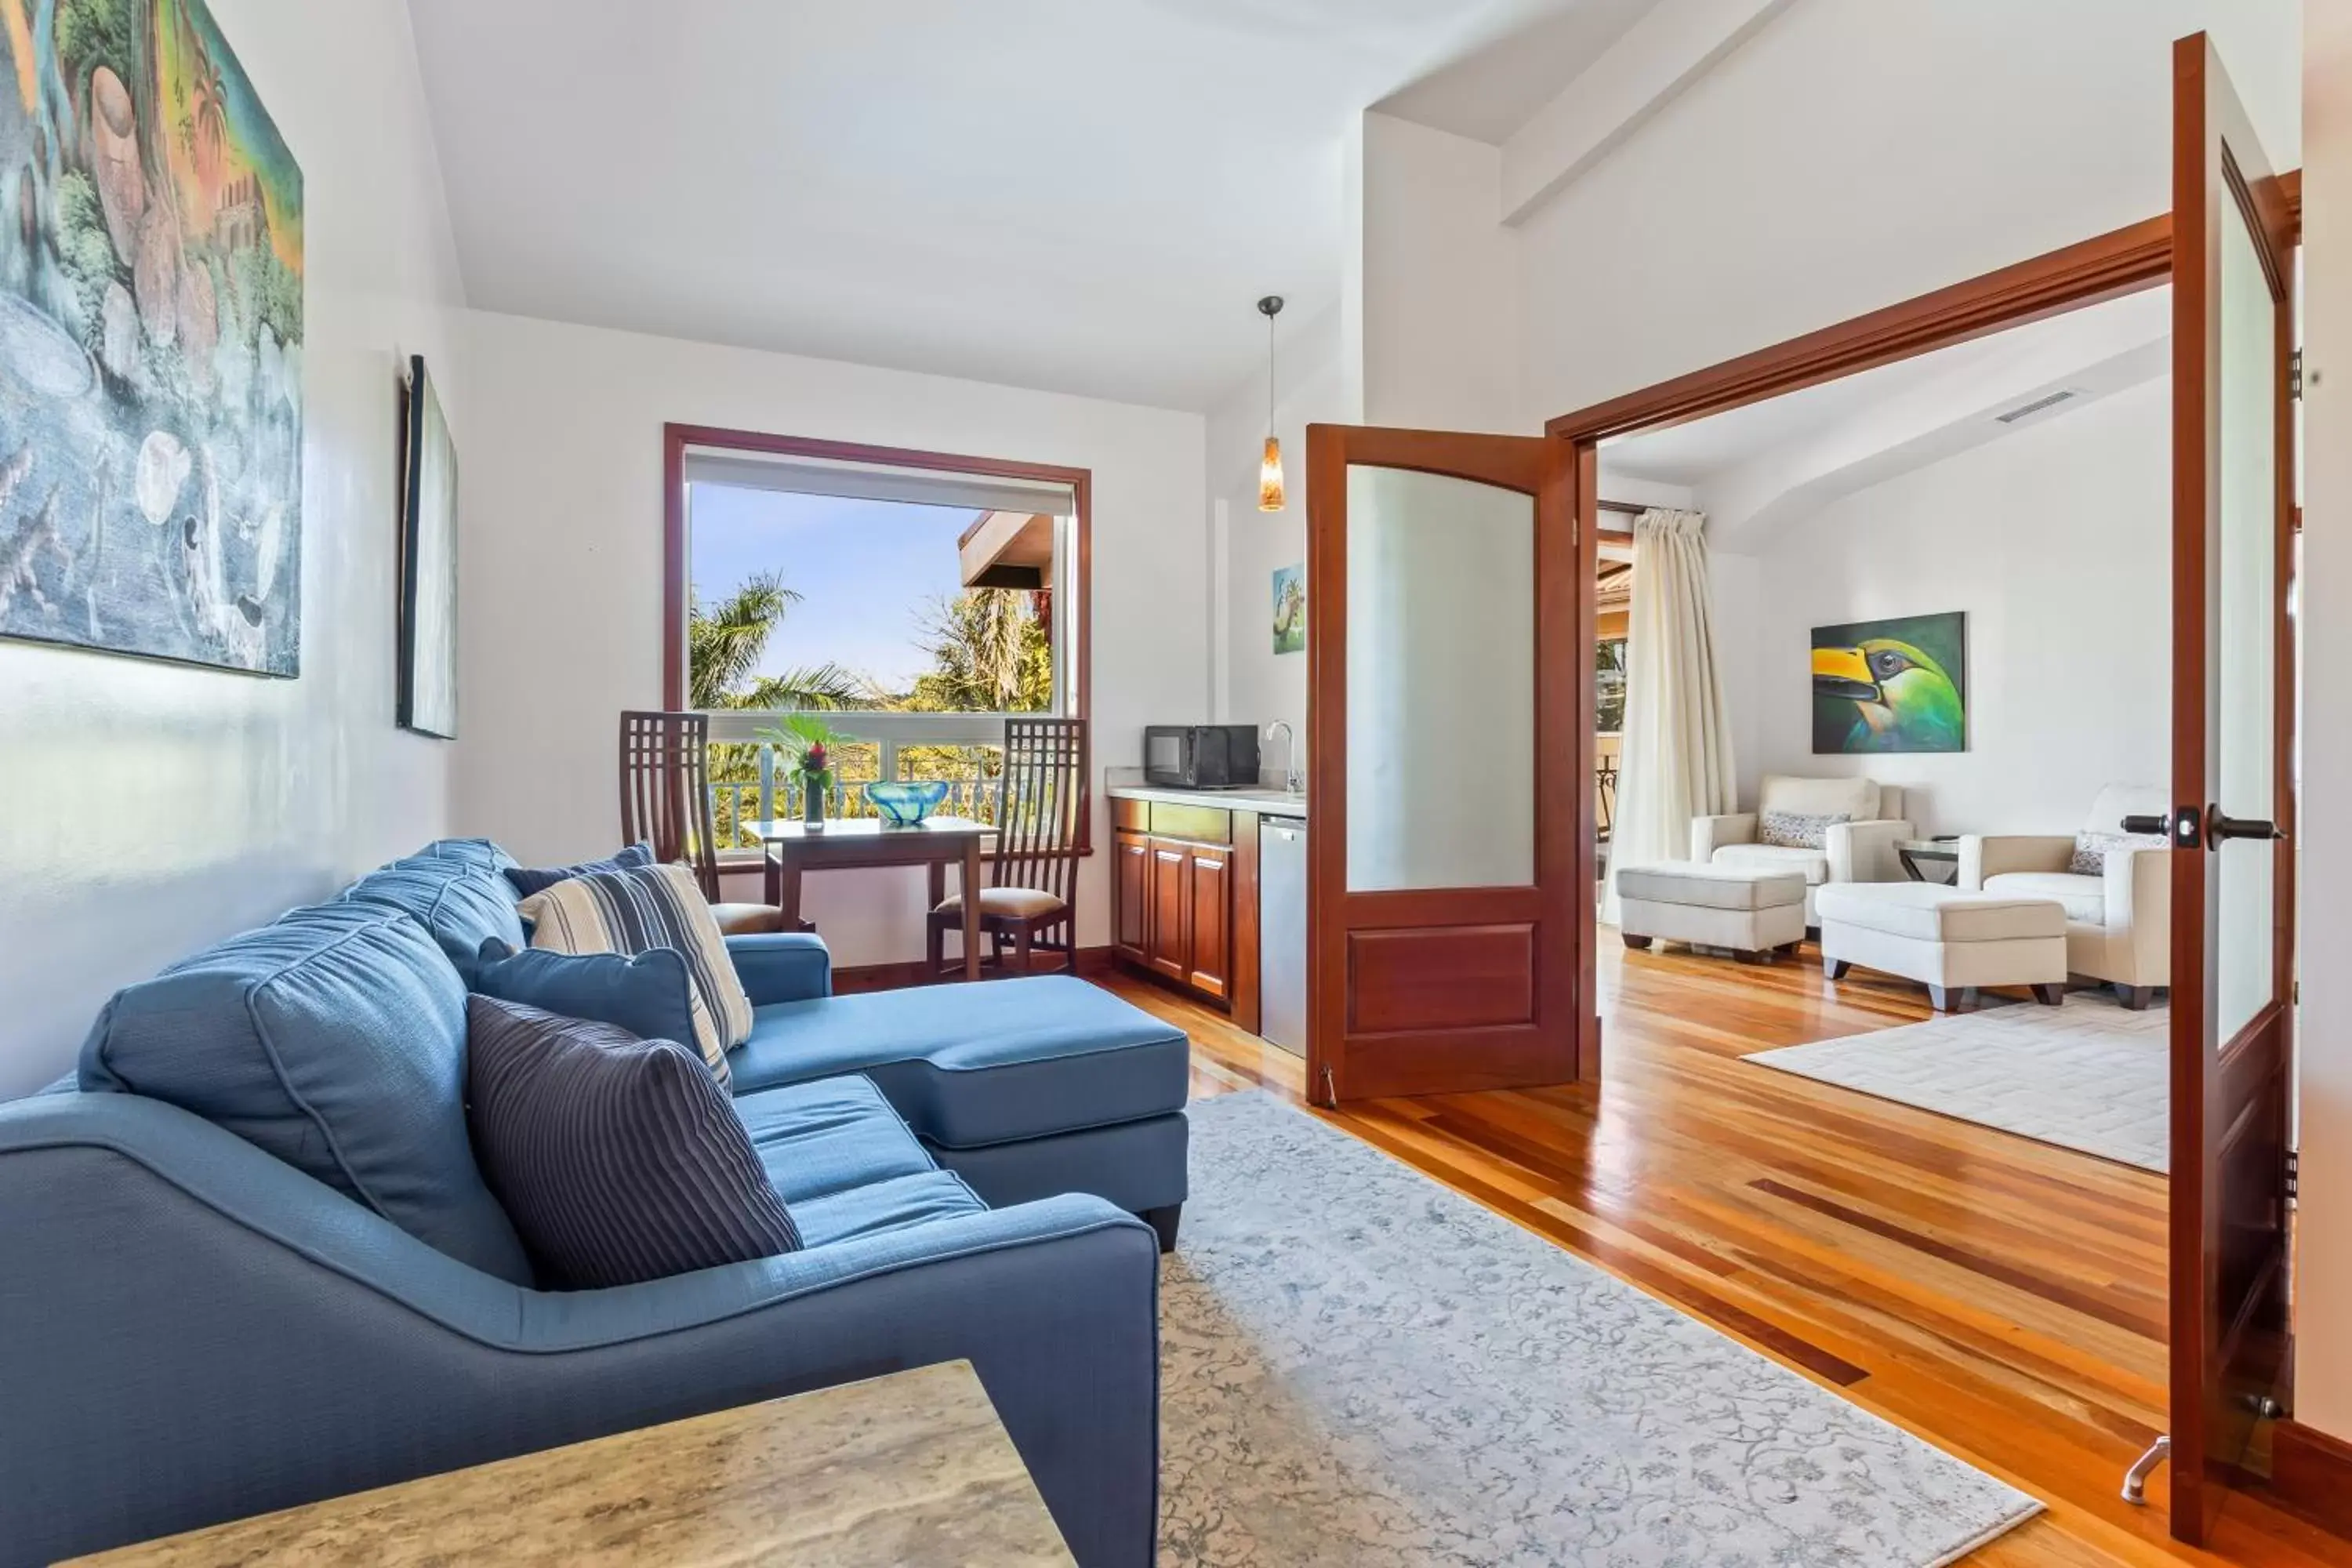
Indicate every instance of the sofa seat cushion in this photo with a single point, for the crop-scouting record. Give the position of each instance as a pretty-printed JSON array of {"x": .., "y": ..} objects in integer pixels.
[
  {"x": 827, "y": 1137},
  {"x": 461, "y": 898},
  {"x": 973, "y": 1065},
  {"x": 1718, "y": 886},
  {"x": 878, "y": 1207},
  {"x": 2084, "y": 897},
  {"x": 1813, "y": 865},
  {"x": 1927, "y": 912},
  {"x": 334, "y": 1040}
]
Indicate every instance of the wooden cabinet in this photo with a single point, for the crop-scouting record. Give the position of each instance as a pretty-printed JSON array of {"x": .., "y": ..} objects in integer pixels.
[
  {"x": 1208, "y": 912},
  {"x": 1174, "y": 896},
  {"x": 1167, "y": 943},
  {"x": 1130, "y": 895}
]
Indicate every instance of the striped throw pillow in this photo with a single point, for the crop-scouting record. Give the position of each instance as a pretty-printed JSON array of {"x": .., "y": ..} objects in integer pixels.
[
  {"x": 640, "y": 908},
  {"x": 618, "y": 1159}
]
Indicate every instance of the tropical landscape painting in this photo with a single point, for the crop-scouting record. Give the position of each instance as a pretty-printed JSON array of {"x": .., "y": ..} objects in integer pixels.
[
  {"x": 1290, "y": 609},
  {"x": 150, "y": 340},
  {"x": 1895, "y": 685}
]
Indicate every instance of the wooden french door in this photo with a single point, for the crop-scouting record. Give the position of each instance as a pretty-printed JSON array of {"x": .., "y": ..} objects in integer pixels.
[
  {"x": 2232, "y": 749},
  {"x": 1450, "y": 674}
]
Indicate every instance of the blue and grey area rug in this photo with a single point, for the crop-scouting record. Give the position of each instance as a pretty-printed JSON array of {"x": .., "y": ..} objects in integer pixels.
[{"x": 1361, "y": 1368}]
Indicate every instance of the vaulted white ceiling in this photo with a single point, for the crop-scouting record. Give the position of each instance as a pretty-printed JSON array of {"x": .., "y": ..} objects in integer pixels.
[{"x": 1080, "y": 195}]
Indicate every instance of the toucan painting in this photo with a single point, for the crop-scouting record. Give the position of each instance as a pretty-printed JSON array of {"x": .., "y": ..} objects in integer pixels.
[{"x": 1897, "y": 685}]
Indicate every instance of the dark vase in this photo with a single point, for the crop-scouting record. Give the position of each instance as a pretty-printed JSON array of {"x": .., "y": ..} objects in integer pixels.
[{"x": 813, "y": 799}]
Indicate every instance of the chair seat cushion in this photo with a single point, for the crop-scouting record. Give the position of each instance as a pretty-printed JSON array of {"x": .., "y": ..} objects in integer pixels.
[
  {"x": 972, "y": 1065},
  {"x": 2084, "y": 897},
  {"x": 1712, "y": 886},
  {"x": 1813, "y": 865},
  {"x": 748, "y": 920},
  {"x": 1013, "y": 903},
  {"x": 1927, "y": 912}
]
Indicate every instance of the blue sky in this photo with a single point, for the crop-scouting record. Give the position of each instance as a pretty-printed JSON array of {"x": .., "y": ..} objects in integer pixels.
[{"x": 864, "y": 570}]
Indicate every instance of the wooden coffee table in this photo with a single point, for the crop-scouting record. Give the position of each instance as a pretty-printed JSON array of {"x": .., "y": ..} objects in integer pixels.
[{"x": 910, "y": 1468}]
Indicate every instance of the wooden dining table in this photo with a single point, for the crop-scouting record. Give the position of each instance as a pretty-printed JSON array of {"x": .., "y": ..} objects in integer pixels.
[{"x": 795, "y": 847}]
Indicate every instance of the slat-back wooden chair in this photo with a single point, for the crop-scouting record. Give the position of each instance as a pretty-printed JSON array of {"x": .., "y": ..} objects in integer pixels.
[
  {"x": 665, "y": 801},
  {"x": 1032, "y": 901}
]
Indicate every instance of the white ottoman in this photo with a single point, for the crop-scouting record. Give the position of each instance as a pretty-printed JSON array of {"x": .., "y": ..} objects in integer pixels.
[
  {"x": 1950, "y": 941},
  {"x": 1752, "y": 913}
]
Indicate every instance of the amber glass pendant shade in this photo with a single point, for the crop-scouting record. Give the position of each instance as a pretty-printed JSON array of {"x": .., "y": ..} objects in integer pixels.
[{"x": 1269, "y": 478}]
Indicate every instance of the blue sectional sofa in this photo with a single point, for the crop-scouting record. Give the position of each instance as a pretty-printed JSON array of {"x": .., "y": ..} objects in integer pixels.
[{"x": 236, "y": 1274}]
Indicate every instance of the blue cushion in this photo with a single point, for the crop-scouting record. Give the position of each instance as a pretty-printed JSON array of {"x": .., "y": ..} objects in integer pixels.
[
  {"x": 649, "y": 994},
  {"x": 474, "y": 851},
  {"x": 526, "y": 881},
  {"x": 899, "y": 1204},
  {"x": 818, "y": 1139},
  {"x": 619, "y": 1160},
  {"x": 973, "y": 1065},
  {"x": 336, "y": 1040},
  {"x": 462, "y": 902}
]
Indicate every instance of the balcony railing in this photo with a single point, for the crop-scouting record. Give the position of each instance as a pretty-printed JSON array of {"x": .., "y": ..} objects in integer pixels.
[{"x": 750, "y": 781}]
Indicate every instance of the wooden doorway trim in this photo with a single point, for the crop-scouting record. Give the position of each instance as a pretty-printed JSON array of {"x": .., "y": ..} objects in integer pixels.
[{"x": 2116, "y": 263}]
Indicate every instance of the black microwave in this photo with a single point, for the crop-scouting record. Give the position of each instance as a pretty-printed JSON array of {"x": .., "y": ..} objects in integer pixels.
[{"x": 1200, "y": 756}]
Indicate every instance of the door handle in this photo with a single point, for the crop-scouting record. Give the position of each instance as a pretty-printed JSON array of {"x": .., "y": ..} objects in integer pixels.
[
  {"x": 2218, "y": 827},
  {"x": 2184, "y": 827}
]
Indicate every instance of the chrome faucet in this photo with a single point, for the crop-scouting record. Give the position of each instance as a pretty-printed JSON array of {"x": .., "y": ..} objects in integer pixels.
[{"x": 1291, "y": 782}]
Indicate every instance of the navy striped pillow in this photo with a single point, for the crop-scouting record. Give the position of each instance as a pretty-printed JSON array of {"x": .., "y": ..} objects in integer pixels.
[
  {"x": 617, "y": 1159},
  {"x": 528, "y": 880}
]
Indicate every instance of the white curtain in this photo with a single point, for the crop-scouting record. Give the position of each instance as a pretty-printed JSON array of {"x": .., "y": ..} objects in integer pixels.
[{"x": 1674, "y": 761}]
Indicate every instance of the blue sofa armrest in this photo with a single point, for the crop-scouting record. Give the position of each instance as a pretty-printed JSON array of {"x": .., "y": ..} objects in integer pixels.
[
  {"x": 192, "y": 1331},
  {"x": 782, "y": 966}
]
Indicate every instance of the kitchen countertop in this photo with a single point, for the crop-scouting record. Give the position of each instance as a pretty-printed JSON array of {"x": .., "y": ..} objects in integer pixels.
[{"x": 1263, "y": 801}]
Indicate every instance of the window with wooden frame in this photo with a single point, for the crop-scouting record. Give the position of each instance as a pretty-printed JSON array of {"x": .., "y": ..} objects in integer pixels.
[{"x": 912, "y": 600}]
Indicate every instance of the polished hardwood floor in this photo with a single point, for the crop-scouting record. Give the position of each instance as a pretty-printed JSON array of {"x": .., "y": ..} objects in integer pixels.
[{"x": 2000, "y": 1298}]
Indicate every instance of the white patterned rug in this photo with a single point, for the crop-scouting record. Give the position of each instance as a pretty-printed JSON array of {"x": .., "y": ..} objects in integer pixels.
[
  {"x": 1361, "y": 1369},
  {"x": 2089, "y": 1074}
]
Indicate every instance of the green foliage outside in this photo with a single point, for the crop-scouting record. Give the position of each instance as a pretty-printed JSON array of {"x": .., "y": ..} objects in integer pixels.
[{"x": 989, "y": 650}]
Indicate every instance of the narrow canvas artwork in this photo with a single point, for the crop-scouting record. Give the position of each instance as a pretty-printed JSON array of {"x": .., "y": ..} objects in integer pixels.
[
  {"x": 428, "y": 563},
  {"x": 1895, "y": 685},
  {"x": 1290, "y": 609},
  {"x": 150, "y": 340}
]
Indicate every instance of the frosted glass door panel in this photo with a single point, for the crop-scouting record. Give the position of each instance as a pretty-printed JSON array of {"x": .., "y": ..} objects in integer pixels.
[
  {"x": 1440, "y": 633},
  {"x": 2245, "y": 690}
]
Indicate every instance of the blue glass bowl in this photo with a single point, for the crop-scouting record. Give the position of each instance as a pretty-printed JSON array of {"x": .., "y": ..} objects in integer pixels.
[{"x": 903, "y": 803}]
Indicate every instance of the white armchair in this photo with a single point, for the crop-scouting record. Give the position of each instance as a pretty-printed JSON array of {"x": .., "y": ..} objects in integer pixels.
[
  {"x": 2120, "y": 923},
  {"x": 1859, "y": 849}
]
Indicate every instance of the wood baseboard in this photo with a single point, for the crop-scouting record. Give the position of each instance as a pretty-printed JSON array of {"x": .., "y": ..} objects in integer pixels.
[
  {"x": 2311, "y": 1473},
  {"x": 863, "y": 977}
]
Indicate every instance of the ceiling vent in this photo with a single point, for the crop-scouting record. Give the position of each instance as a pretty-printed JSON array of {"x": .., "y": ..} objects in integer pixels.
[{"x": 2037, "y": 405}]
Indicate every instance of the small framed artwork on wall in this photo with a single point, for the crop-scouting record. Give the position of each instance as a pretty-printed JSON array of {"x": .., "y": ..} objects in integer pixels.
[
  {"x": 428, "y": 563},
  {"x": 1290, "y": 609},
  {"x": 1895, "y": 685}
]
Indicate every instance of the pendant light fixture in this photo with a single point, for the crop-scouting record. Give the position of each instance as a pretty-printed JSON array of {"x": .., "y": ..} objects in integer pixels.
[{"x": 1270, "y": 471}]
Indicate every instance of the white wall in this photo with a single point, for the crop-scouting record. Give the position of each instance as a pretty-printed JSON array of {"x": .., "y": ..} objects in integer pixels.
[
  {"x": 2053, "y": 539},
  {"x": 146, "y": 809},
  {"x": 1440, "y": 279},
  {"x": 1857, "y": 153},
  {"x": 2323, "y": 1360},
  {"x": 562, "y": 611},
  {"x": 1257, "y": 685}
]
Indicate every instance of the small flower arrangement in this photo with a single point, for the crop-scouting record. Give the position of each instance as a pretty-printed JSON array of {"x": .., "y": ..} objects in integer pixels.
[{"x": 806, "y": 742}]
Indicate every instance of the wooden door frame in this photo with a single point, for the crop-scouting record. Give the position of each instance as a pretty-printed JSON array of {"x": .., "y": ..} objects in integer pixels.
[{"x": 2121, "y": 261}]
